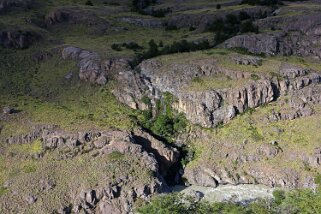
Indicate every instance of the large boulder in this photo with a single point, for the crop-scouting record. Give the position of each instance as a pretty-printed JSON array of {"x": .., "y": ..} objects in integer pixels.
[
  {"x": 89, "y": 63},
  {"x": 92, "y": 67},
  {"x": 255, "y": 43}
]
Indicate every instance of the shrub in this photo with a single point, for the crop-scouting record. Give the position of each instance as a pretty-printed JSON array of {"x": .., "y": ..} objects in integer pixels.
[
  {"x": 248, "y": 26},
  {"x": 132, "y": 46},
  {"x": 165, "y": 123},
  {"x": 262, "y": 2},
  {"x": 116, "y": 47},
  {"x": 175, "y": 203},
  {"x": 231, "y": 26},
  {"x": 255, "y": 77},
  {"x": 244, "y": 15},
  {"x": 140, "y": 5},
  {"x": 279, "y": 196},
  {"x": 153, "y": 49},
  {"x": 297, "y": 201},
  {"x": 176, "y": 47},
  {"x": 146, "y": 100},
  {"x": 89, "y": 3},
  {"x": 171, "y": 27},
  {"x": 218, "y": 6},
  {"x": 3, "y": 190},
  {"x": 191, "y": 28},
  {"x": 115, "y": 155},
  {"x": 160, "y": 12}
]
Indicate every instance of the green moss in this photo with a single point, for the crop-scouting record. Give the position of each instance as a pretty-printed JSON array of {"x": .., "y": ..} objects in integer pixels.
[
  {"x": 3, "y": 190},
  {"x": 115, "y": 155},
  {"x": 218, "y": 81},
  {"x": 30, "y": 168},
  {"x": 166, "y": 122},
  {"x": 32, "y": 148}
]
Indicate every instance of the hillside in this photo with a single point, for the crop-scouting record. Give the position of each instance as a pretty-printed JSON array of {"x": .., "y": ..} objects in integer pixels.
[{"x": 106, "y": 104}]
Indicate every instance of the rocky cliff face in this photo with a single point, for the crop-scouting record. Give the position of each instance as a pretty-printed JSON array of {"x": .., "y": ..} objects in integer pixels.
[
  {"x": 209, "y": 108},
  {"x": 293, "y": 36}
]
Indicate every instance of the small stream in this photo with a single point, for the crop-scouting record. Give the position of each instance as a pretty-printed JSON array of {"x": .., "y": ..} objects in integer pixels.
[{"x": 243, "y": 193}]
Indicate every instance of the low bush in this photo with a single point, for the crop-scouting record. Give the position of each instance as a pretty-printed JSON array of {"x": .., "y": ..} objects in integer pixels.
[
  {"x": 296, "y": 201},
  {"x": 175, "y": 47},
  {"x": 231, "y": 26},
  {"x": 165, "y": 122},
  {"x": 89, "y": 3}
]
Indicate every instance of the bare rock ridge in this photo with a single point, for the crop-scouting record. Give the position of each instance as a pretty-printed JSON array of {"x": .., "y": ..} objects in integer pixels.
[{"x": 117, "y": 196}]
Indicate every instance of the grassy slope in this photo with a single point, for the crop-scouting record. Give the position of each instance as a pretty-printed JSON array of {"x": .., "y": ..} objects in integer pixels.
[{"x": 299, "y": 136}]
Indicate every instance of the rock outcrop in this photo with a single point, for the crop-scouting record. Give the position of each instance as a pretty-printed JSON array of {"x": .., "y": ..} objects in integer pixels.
[
  {"x": 74, "y": 16},
  {"x": 5, "y": 5},
  {"x": 89, "y": 63},
  {"x": 14, "y": 37},
  {"x": 150, "y": 23},
  {"x": 36, "y": 133},
  {"x": 293, "y": 37},
  {"x": 92, "y": 67}
]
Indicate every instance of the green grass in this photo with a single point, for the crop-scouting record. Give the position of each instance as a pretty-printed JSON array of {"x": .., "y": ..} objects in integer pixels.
[
  {"x": 30, "y": 168},
  {"x": 3, "y": 190},
  {"x": 115, "y": 155},
  {"x": 218, "y": 81},
  {"x": 31, "y": 148},
  {"x": 44, "y": 96}
]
